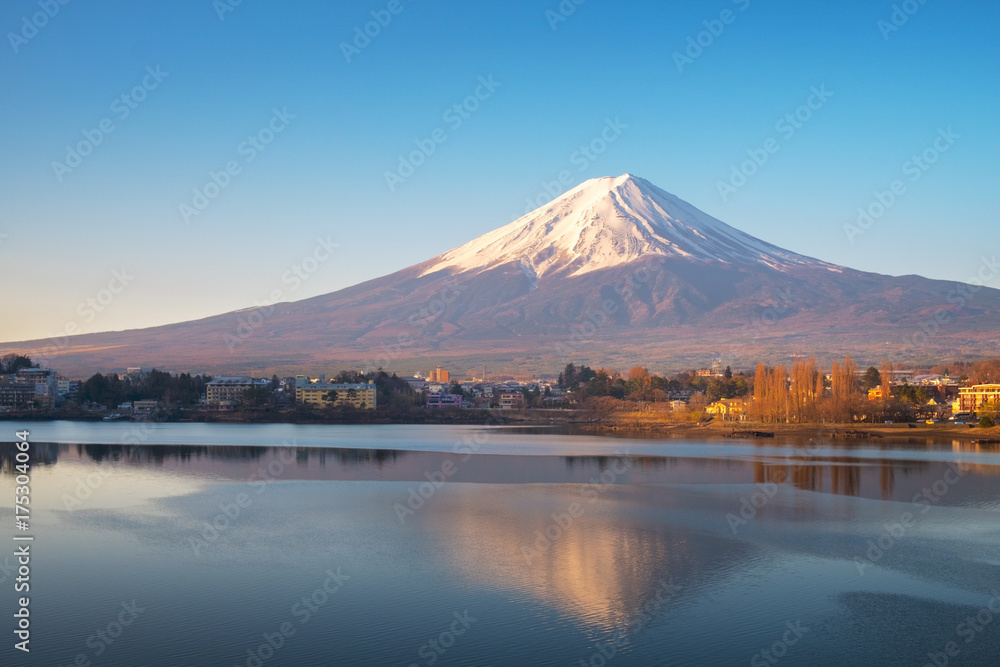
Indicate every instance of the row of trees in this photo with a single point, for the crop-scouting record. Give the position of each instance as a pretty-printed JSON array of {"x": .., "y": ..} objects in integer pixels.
[
  {"x": 805, "y": 398},
  {"x": 641, "y": 385},
  {"x": 809, "y": 397},
  {"x": 12, "y": 363},
  {"x": 111, "y": 390},
  {"x": 802, "y": 394}
]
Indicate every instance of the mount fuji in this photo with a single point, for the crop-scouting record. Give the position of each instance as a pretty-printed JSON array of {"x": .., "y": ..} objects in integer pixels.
[
  {"x": 614, "y": 272},
  {"x": 607, "y": 222}
]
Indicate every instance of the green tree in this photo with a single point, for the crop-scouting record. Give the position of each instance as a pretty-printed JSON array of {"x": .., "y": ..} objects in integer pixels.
[
  {"x": 568, "y": 377},
  {"x": 103, "y": 390},
  {"x": 12, "y": 363},
  {"x": 871, "y": 379},
  {"x": 256, "y": 397}
]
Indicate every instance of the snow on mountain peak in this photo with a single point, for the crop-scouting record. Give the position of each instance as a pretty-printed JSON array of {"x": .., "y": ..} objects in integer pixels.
[{"x": 609, "y": 221}]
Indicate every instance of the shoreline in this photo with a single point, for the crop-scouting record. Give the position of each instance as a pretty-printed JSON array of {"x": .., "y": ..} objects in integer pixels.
[
  {"x": 609, "y": 424},
  {"x": 834, "y": 431}
]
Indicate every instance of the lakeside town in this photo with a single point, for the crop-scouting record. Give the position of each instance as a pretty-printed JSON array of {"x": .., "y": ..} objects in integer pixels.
[{"x": 966, "y": 394}]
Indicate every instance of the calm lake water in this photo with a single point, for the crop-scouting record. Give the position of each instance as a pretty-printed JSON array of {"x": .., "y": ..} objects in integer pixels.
[{"x": 224, "y": 545}]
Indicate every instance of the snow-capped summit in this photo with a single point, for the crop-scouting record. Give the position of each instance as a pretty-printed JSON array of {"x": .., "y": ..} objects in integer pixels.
[
  {"x": 609, "y": 221},
  {"x": 614, "y": 272}
]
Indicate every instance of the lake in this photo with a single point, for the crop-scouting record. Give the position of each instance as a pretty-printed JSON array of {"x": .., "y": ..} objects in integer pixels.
[{"x": 254, "y": 545}]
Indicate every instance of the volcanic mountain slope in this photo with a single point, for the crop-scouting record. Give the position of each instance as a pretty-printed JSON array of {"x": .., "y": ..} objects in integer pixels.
[{"x": 615, "y": 271}]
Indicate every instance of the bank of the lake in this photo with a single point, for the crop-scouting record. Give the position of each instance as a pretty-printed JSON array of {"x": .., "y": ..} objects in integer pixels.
[
  {"x": 638, "y": 423},
  {"x": 722, "y": 429}
]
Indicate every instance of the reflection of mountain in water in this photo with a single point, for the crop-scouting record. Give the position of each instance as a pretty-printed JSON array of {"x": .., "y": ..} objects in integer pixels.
[{"x": 600, "y": 568}]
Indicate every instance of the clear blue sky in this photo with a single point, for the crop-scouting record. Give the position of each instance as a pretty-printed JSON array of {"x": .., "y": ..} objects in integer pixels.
[{"x": 324, "y": 173}]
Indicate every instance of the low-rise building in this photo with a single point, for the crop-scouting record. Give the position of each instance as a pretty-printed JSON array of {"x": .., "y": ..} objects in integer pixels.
[
  {"x": 971, "y": 399},
  {"x": 46, "y": 380},
  {"x": 362, "y": 395},
  {"x": 16, "y": 395},
  {"x": 935, "y": 380},
  {"x": 728, "y": 409},
  {"x": 443, "y": 400},
  {"x": 511, "y": 399},
  {"x": 145, "y": 405},
  {"x": 416, "y": 382},
  {"x": 226, "y": 391}
]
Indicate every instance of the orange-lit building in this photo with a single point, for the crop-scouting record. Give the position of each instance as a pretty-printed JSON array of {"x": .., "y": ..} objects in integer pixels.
[
  {"x": 439, "y": 375},
  {"x": 971, "y": 399}
]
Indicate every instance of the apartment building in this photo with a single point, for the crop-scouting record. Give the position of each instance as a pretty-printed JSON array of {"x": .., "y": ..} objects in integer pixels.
[
  {"x": 971, "y": 399},
  {"x": 361, "y": 395},
  {"x": 226, "y": 391}
]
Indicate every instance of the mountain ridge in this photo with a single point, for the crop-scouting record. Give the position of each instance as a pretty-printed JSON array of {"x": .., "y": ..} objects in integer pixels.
[{"x": 614, "y": 272}]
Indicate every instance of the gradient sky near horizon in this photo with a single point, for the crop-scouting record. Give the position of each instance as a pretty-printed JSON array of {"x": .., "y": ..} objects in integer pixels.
[{"x": 323, "y": 176}]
